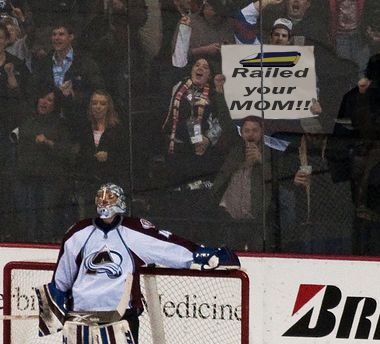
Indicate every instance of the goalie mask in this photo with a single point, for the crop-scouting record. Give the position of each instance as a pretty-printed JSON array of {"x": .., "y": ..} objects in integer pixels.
[{"x": 110, "y": 200}]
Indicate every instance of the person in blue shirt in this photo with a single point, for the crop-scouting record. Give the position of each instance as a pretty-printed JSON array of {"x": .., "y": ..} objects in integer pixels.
[{"x": 74, "y": 73}]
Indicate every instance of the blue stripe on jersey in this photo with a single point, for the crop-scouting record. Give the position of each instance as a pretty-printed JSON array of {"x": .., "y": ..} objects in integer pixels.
[
  {"x": 103, "y": 334},
  {"x": 128, "y": 336},
  {"x": 86, "y": 335}
]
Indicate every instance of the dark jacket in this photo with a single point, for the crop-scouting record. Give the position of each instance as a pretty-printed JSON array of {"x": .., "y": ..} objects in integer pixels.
[
  {"x": 40, "y": 160},
  {"x": 232, "y": 163},
  {"x": 85, "y": 76},
  {"x": 12, "y": 104},
  {"x": 114, "y": 141},
  {"x": 318, "y": 223},
  {"x": 364, "y": 111},
  {"x": 313, "y": 26}
]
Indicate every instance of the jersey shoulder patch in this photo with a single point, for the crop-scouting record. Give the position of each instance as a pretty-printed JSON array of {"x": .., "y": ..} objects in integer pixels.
[{"x": 146, "y": 224}]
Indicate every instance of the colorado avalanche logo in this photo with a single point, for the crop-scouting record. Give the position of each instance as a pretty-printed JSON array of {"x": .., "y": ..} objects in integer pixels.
[{"x": 104, "y": 261}]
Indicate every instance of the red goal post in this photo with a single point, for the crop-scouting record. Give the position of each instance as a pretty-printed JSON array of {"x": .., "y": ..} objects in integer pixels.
[{"x": 187, "y": 306}]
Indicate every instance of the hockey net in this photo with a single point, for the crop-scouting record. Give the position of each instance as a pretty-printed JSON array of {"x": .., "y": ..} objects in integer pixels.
[{"x": 180, "y": 306}]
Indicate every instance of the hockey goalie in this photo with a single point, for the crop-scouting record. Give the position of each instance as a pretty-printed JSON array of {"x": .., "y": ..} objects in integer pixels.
[{"x": 94, "y": 296}]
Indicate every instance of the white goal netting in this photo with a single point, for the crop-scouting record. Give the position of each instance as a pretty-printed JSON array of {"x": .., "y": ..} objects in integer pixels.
[{"x": 180, "y": 306}]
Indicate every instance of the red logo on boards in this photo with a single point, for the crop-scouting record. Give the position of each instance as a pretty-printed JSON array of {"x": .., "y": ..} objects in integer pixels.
[{"x": 353, "y": 320}]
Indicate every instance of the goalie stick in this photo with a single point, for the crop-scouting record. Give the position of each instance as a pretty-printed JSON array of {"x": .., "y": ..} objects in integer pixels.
[
  {"x": 18, "y": 317},
  {"x": 105, "y": 316}
]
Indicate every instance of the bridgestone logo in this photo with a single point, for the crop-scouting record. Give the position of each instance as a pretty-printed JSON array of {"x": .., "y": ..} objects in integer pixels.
[{"x": 353, "y": 320}]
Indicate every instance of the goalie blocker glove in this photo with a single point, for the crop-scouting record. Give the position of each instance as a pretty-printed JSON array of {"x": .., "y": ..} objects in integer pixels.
[{"x": 207, "y": 258}]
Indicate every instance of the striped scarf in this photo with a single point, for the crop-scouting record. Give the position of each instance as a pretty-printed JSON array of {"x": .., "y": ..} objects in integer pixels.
[{"x": 174, "y": 109}]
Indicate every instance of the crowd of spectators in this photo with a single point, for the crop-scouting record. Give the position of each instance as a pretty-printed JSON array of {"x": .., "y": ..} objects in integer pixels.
[{"x": 85, "y": 99}]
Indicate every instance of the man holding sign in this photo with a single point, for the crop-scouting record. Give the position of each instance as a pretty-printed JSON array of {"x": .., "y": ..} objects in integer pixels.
[
  {"x": 283, "y": 88},
  {"x": 281, "y": 34},
  {"x": 279, "y": 80}
]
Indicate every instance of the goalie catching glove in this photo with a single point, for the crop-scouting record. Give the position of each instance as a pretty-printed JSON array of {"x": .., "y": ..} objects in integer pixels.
[{"x": 207, "y": 258}]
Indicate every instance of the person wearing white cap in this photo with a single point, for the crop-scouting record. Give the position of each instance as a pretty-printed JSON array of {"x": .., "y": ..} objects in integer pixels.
[{"x": 281, "y": 32}]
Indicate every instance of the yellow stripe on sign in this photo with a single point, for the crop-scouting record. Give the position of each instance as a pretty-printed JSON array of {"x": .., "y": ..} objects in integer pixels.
[
  {"x": 275, "y": 59},
  {"x": 297, "y": 58}
]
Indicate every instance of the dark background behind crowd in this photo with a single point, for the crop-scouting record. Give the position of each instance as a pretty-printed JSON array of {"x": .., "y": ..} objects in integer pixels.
[{"x": 131, "y": 92}]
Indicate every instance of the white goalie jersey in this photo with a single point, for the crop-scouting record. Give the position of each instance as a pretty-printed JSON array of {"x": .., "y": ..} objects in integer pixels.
[{"x": 94, "y": 264}]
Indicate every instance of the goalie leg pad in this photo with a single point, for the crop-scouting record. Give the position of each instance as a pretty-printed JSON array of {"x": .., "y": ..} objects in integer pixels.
[
  {"x": 115, "y": 333},
  {"x": 52, "y": 309}
]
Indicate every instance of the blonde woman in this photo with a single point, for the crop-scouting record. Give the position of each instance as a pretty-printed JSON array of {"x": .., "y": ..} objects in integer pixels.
[{"x": 103, "y": 145}]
